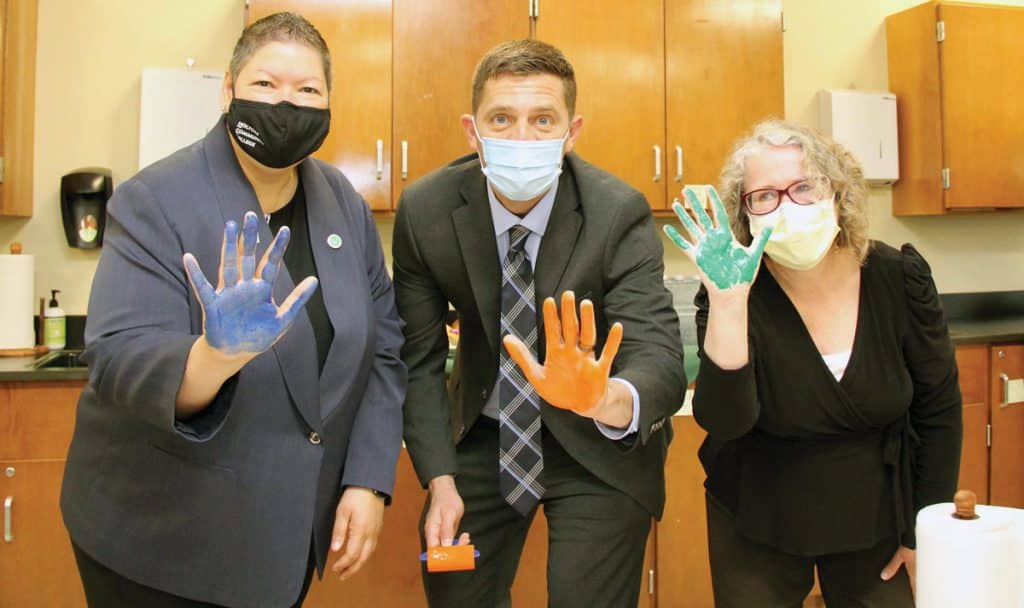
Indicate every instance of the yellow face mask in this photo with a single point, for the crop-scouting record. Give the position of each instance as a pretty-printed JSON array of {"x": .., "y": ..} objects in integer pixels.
[{"x": 802, "y": 234}]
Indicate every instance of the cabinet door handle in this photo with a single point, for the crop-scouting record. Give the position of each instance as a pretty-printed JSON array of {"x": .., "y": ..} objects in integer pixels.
[
  {"x": 8, "y": 507},
  {"x": 657, "y": 163},
  {"x": 380, "y": 159},
  {"x": 1005, "y": 379},
  {"x": 679, "y": 164},
  {"x": 405, "y": 160}
]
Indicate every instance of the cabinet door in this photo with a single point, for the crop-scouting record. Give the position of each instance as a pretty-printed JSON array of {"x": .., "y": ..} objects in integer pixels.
[
  {"x": 437, "y": 44},
  {"x": 617, "y": 50},
  {"x": 358, "y": 34},
  {"x": 1006, "y": 487},
  {"x": 683, "y": 570},
  {"x": 982, "y": 108},
  {"x": 723, "y": 61},
  {"x": 37, "y": 567},
  {"x": 972, "y": 361}
]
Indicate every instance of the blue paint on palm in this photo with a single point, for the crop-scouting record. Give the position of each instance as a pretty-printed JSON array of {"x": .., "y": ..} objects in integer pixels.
[
  {"x": 241, "y": 316},
  {"x": 716, "y": 250}
]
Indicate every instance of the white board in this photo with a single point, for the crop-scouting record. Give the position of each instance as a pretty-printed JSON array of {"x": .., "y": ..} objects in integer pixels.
[{"x": 177, "y": 108}]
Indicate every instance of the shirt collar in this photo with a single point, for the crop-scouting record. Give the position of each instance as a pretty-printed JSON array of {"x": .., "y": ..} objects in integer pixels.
[{"x": 536, "y": 220}]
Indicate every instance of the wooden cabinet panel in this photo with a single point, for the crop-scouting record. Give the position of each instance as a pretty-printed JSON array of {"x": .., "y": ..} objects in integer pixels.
[
  {"x": 37, "y": 567},
  {"x": 39, "y": 419},
  {"x": 723, "y": 62},
  {"x": 982, "y": 109},
  {"x": 618, "y": 51},
  {"x": 437, "y": 44},
  {"x": 1006, "y": 458},
  {"x": 972, "y": 361},
  {"x": 683, "y": 571},
  {"x": 358, "y": 34},
  {"x": 17, "y": 105}
]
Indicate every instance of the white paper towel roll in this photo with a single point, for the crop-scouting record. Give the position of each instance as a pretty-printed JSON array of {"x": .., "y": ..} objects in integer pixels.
[
  {"x": 977, "y": 562},
  {"x": 17, "y": 292}
]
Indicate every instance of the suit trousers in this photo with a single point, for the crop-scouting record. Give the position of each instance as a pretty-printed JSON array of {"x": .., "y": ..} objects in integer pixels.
[
  {"x": 745, "y": 573},
  {"x": 105, "y": 588},
  {"x": 596, "y": 534}
]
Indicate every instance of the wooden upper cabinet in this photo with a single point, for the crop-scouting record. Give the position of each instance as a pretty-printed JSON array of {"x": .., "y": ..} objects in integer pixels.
[
  {"x": 955, "y": 70},
  {"x": 358, "y": 34},
  {"x": 1006, "y": 472},
  {"x": 723, "y": 61},
  {"x": 618, "y": 52},
  {"x": 17, "y": 105}
]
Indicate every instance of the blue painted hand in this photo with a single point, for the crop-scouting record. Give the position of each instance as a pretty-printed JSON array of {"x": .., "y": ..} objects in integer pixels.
[
  {"x": 722, "y": 260},
  {"x": 240, "y": 315}
]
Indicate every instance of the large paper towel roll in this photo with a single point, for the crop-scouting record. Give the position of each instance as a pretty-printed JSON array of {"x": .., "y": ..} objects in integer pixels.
[
  {"x": 977, "y": 562},
  {"x": 17, "y": 292}
]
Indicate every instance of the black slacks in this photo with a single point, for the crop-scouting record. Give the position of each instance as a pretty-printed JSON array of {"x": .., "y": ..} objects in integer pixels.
[
  {"x": 745, "y": 573},
  {"x": 105, "y": 588},
  {"x": 597, "y": 534}
]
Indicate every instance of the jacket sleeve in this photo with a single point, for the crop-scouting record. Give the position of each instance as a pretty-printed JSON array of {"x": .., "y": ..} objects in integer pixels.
[
  {"x": 936, "y": 409},
  {"x": 376, "y": 437},
  {"x": 725, "y": 401},
  {"x": 651, "y": 355},
  {"x": 422, "y": 305},
  {"x": 138, "y": 333}
]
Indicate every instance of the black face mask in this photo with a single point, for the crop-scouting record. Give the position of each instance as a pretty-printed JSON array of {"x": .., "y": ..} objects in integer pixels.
[{"x": 280, "y": 134}]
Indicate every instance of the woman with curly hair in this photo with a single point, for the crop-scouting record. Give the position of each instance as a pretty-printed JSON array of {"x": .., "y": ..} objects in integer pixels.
[{"x": 827, "y": 384}]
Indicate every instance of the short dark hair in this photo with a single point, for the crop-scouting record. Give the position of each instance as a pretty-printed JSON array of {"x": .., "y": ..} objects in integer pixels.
[
  {"x": 523, "y": 58},
  {"x": 279, "y": 27}
]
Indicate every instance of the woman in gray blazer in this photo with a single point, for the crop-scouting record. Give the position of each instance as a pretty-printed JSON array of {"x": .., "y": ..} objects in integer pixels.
[{"x": 224, "y": 443}]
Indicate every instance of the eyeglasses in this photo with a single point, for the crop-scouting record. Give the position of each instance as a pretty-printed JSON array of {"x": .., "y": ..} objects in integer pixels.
[{"x": 803, "y": 192}]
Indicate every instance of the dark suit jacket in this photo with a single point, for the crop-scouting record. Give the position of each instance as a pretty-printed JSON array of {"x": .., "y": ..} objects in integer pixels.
[
  {"x": 600, "y": 242},
  {"x": 222, "y": 507}
]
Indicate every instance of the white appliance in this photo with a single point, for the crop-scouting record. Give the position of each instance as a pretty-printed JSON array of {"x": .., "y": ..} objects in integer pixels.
[
  {"x": 178, "y": 107},
  {"x": 864, "y": 122}
]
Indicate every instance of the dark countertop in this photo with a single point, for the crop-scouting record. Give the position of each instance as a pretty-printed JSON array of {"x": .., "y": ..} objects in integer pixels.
[
  {"x": 19, "y": 369},
  {"x": 994, "y": 330}
]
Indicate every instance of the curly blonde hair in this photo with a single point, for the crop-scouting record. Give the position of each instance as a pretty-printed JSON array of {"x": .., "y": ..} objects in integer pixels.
[{"x": 823, "y": 157}]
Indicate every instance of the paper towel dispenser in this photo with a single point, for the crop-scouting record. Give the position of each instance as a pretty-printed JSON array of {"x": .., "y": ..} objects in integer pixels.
[
  {"x": 83, "y": 205},
  {"x": 864, "y": 122}
]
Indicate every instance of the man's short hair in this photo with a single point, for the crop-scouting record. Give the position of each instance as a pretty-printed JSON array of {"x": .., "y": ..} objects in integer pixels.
[{"x": 524, "y": 58}]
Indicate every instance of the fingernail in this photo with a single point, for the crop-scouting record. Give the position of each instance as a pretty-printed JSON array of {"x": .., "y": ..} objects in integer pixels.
[{"x": 336, "y": 545}]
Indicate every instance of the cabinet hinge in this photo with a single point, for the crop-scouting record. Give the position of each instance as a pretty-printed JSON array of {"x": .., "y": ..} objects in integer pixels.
[
  {"x": 988, "y": 435},
  {"x": 650, "y": 582},
  {"x": 940, "y": 30},
  {"x": 1, "y": 169},
  {"x": 534, "y": 8},
  {"x": 945, "y": 178}
]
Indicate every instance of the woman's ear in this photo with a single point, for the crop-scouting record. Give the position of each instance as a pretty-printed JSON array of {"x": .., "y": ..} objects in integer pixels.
[{"x": 226, "y": 93}]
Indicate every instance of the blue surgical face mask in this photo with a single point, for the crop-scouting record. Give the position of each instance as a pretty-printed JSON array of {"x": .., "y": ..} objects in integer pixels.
[{"x": 521, "y": 170}]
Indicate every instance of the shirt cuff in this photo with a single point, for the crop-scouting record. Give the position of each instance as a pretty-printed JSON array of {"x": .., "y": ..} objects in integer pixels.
[{"x": 615, "y": 433}]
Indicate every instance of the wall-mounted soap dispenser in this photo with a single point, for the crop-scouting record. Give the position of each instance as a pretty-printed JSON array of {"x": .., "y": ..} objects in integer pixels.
[{"x": 83, "y": 205}]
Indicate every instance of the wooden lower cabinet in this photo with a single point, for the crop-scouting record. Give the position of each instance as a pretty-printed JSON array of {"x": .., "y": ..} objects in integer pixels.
[
  {"x": 972, "y": 361},
  {"x": 1006, "y": 456}
]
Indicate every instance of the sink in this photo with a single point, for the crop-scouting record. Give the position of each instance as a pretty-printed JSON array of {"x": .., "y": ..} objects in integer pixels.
[{"x": 61, "y": 359}]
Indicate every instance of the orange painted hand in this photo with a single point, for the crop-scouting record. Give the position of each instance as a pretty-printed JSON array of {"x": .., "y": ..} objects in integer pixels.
[{"x": 571, "y": 377}]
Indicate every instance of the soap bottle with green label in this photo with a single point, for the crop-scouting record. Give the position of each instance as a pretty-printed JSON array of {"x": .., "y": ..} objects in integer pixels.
[{"x": 54, "y": 324}]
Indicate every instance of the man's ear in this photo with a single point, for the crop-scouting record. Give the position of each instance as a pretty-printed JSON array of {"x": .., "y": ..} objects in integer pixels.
[
  {"x": 467, "y": 126},
  {"x": 575, "y": 126}
]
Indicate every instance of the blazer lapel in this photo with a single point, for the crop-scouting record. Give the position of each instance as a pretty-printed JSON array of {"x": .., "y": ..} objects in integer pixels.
[
  {"x": 235, "y": 197},
  {"x": 474, "y": 229}
]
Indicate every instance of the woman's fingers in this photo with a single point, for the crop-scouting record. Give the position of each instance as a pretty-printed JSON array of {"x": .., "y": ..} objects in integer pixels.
[
  {"x": 250, "y": 234},
  {"x": 696, "y": 234},
  {"x": 202, "y": 288},
  {"x": 229, "y": 256},
  {"x": 270, "y": 265},
  {"x": 698, "y": 208},
  {"x": 293, "y": 304}
]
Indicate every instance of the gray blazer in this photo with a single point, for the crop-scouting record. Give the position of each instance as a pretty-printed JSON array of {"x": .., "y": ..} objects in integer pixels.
[{"x": 223, "y": 507}]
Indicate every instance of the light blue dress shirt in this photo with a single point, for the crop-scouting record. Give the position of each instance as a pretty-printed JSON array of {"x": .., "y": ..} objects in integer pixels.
[{"x": 537, "y": 221}]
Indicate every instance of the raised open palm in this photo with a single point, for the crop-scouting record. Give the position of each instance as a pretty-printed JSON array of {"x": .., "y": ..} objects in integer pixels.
[
  {"x": 715, "y": 249},
  {"x": 571, "y": 377},
  {"x": 240, "y": 315}
]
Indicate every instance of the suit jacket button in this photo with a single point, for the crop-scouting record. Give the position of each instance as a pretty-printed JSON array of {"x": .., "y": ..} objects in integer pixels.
[{"x": 314, "y": 438}]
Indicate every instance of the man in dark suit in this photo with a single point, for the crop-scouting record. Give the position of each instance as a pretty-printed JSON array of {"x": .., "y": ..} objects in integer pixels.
[{"x": 493, "y": 235}]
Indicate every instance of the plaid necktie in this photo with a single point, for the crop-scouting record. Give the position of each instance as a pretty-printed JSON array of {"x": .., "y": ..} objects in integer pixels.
[{"x": 520, "y": 461}]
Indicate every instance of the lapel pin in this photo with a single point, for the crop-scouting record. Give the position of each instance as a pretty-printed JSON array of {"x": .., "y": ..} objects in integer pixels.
[{"x": 334, "y": 241}]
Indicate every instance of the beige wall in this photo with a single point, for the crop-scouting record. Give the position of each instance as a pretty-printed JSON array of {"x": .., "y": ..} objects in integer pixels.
[{"x": 91, "y": 53}]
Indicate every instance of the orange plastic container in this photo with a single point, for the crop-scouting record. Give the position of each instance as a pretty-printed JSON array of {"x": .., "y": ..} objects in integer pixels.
[{"x": 450, "y": 559}]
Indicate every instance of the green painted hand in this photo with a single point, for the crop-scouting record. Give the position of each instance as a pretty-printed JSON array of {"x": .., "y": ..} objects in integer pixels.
[{"x": 714, "y": 248}]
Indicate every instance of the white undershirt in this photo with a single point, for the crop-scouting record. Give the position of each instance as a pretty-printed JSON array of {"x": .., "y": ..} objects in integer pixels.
[{"x": 837, "y": 362}]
